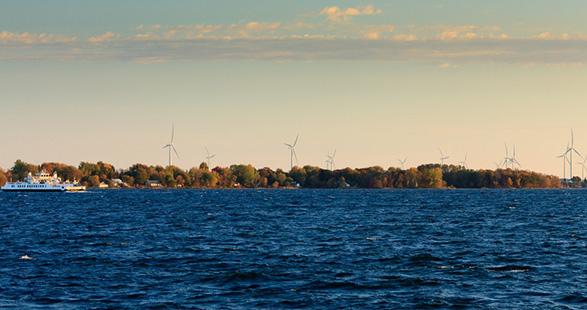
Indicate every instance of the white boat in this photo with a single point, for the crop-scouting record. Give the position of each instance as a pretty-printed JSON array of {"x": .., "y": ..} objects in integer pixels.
[{"x": 42, "y": 182}]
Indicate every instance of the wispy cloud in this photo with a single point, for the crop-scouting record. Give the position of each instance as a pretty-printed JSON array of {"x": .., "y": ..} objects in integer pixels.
[
  {"x": 335, "y": 13},
  {"x": 34, "y": 38},
  {"x": 471, "y": 32},
  {"x": 550, "y": 36},
  {"x": 378, "y": 32},
  {"x": 256, "y": 40},
  {"x": 436, "y": 52},
  {"x": 105, "y": 37}
]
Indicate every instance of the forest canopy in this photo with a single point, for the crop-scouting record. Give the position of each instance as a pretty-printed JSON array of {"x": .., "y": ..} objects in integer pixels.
[{"x": 247, "y": 176}]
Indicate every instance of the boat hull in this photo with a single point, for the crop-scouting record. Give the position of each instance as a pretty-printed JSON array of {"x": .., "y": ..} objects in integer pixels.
[
  {"x": 33, "y": 190},
  {"x": 59, "y": 189}
]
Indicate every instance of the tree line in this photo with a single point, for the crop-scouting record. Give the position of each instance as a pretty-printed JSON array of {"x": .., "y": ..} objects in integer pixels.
[{"x": 247, "y": 176}]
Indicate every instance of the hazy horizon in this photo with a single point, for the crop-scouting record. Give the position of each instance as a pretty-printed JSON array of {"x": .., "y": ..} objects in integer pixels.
[{"x": 375, "y": 80}]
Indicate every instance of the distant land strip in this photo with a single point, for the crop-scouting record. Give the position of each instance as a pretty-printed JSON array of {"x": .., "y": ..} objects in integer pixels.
[{"x": 104, "y": 175}]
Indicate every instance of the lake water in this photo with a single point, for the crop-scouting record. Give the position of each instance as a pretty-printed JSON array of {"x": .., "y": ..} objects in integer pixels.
[{"x": 483, "y": 249}]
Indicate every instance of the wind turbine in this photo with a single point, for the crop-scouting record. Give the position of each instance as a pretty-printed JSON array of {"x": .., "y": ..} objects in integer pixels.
[
  {"x": 510, "y": 162},
  {"x": 292, "y": 151},
  {"x": 442, "y": 157},
  {"x": 583, "y": 165},
  {"x": 565, "y": 160},
  {"x": 514, "y": 160},
  {"x": 464, "y": 162},
  {"x": 570, "y": 150},
  {"x": 507, "y": 158},
  {"x": 209, "y": 157},
  {"x": 170, "y": 147},
  {"x": 330, "y": 160},
  {"x": 403, "y": 162}
]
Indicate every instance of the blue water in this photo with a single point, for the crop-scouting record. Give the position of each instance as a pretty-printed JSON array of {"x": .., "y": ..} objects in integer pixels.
[{"x": 482, "y": 249}]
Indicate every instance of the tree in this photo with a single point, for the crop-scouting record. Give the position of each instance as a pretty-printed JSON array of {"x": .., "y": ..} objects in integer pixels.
[
  {"x": 209, "y": 179},
  {"x": 246, "y": 175},
  {"x": 225, "y": 177},
  {"x": 66, "y": 172},
  {"x": 3, "y": 178},
  {"x": 431, "y": 178},
  {"x": 140, "y": 173},
  {"x": 93, "y": 181},
  {"x": 22, "y": 169}
]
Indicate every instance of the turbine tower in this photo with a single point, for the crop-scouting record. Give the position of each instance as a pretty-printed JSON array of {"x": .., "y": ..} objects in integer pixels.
[
  {"x": 565, "y": 160},
  {"x": 464, "y": 162},
  {"x": 330, "y": 160},
  {"x": 583, "y": 165},
  {"x": 570, "y": 150},
  {"x": 292, "y": 151},
  {"x": 403, "y": 162},
  {"x": 510, "y": 162},
  {"x": 514, "y": 160},
  {"x": 507, "y": 159},
  {"x": 442, "y": 157},
  {"x": 209, "y": 157},
  {"x": 170, "y": 147}
]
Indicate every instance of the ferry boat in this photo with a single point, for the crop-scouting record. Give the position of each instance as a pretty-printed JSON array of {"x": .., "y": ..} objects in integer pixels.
[{"x": 42, "y": 182}]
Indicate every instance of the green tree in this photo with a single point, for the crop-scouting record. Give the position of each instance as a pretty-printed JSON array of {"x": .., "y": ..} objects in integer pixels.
[
  {"x": 140, "y": 173},
  {"x": 21, "y": 169},
  {"x": 209, "y": 179},
  {"x": 246, "y": 175}
]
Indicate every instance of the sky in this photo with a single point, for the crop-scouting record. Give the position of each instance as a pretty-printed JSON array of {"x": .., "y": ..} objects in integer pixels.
[{"x": 376, "y": 80}]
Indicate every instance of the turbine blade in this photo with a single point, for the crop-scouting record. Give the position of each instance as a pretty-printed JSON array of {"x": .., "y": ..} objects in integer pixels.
[
  {"x": 175, "y": 151},
  {"x": 172, "y": 132},
  {"x": 295, "y": 155},
  {"x": 577, "y": 152},
  {"x": 296, "y": 141}
]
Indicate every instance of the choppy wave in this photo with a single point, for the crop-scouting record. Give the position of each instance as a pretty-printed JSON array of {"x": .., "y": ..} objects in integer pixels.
[{"x": 316, "y": 249}]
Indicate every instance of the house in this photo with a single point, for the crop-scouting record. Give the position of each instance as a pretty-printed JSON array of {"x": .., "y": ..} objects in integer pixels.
[{"x": 153, "y": 184}]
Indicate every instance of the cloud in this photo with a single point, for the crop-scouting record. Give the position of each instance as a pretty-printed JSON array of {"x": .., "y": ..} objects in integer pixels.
[
  {"x": 549, "y": 36},
  {"x": 373, "y": 35},
  {"x": 312, "y": 48},
  {"x": 105, "y": 37},
  {"x": 257, "y": 26},
  {"x": 471, "y": 32},
  {"x": 446, "y": 65},
  {"x": 378, "y": 32},
  {"x": 404, "y": 37},
  {"x": 300, "y": 41},
  {"x": 335, "y": 13},
  {"x": 253, "y": 29},
  {"x": 34, "y": 38}
]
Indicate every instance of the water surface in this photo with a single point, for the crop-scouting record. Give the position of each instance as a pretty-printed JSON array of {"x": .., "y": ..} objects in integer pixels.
[{"x": 483, "y": 249}]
